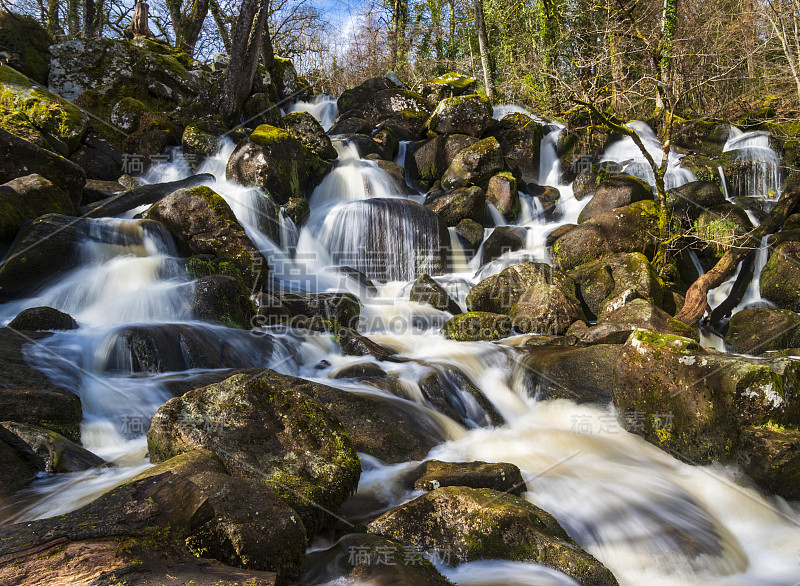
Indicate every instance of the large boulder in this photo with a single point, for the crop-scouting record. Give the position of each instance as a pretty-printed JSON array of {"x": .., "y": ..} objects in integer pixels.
[
  {"x": 707, "y": 137},
  {"x": 49, "y": 451},
  {"x": 36, "y": 319},
  {"x": 426, "y": 290},
  {"x": 548, "y": 306},
  {"x": 520, "y": 139},
  {"x": 31, "y": 112},
  {"x": 502, "y": 193},
  {"x": 268, "y": 432},
  {"x": 432, "y": 157},
  {"x": 475, "y": 164},
  {"x": 758, "y": 330},
  {"x": 27, "y": 198},
  {"x": 19, "y": 158},
  {"x": 100, "y": 159},
  {"x": 403, "y": 111},
  {"x": 305, "y": 128},
  {"x": 499, "y": 293},
  {"x": 28, "y": 396},
  {"x": 448, "y": 85},
  {"x": 272, "y": 159},
  {"x": 719, "y": 229},
  {"x": 464, "y": 203},
  {"x": 615, "y": 327},
  {"x": 223, "y": 299},
  {"x": 629, "y": 229},
  {"x": 156, "y": 527},
  {"x": 325, "y": 311},
  {"x": 201, "y": 222},
  {"x": 433, "y": 474},
  {"x": 356, "y": 98},
  {"x": 474, "y": 524},
  {"x": 200, "y": 139},
  {"x": 503, "y": 239},
  {"x": 697, "y": 402},
  {"x": 470, "y": 115},
  {"x": 688, "y": 201},
  {"x": 615, "y": 192},
  {"x": 780, "y": 278}
]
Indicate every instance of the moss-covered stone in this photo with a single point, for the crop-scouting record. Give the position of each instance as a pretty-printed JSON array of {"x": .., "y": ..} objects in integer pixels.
[
  {"x": 48, "y": 450},
  {"x": 37, "y": 319},
  {"x": 426, "y": 290},
  {"x": 476, "y": 326},
  {"x": 706, "y": 137},
  {"x": 520, "y": 139},
  {"x": 502, "y": 193},
  {"x": 720, "y": 229},
  {"x": 275, "y": 161},
  {"x": 27, "y": 198},
  {"x": 548, "y": 306},
  {"x": 467, "y": 114},
  {"x": 432, "y": 157},
  {"x": 223, "y": 299},
  {"x": 447, "y": 86},
  {"x": 267, "y": 432},
  {"x": 614, "y": 192},
  {"x": 36, "y": 114},
  {"x": 305, "y": 128},
  {"x": 465, "y": 203},
  {"x": 127, "y": 113},
  {"x": 433, "y": 474},
  {"x": 475, "y": 164},
  {"x": 759, "y": 330},
  {"x": 202, "y": 223},
  {"x": 473, "y": 524},
  {"x": 780, "y": 278},
  {"x": 26, "y": 43}
]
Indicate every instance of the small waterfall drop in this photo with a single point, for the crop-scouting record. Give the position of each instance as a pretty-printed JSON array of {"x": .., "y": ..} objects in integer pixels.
[
  {"x": 757, "y": 165},
  {"x": 322, "y": 107}
]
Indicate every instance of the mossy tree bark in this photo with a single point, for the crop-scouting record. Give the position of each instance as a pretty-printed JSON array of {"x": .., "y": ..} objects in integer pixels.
[
  {"x": 53, "y": 18},
  {"x": 483, "y": 46},
  {"x": 246, "y": 47},
  {"x": 187, "y": 20}
]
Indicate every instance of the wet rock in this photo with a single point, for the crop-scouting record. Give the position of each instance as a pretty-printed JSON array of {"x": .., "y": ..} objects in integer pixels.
[
  {"x": 403, "y": 111},
  {"x": 433, "y": 474},
  {"x": 267, "y": 431},
  {"x": 580, "y": 145},
  {"x": 28, "y": 396},
  {"x": 350, "y": 124},
  {"x": 466, "y": 114},
  {"x": 371, "y": 566},
  {"x": 42, "y": 319},
  {"x": 475, "y": 164},
  {"x": 780, "y": 278},
  {"x": 366, "y": 284},
  {"x": 361, "y": 371},
  {"x": 356, "y": 98},
  {"x": 202, "y": 223},
  {"x": 451, "y": 392},
  {"x": 465, "y": 203},
  {"x": 27, "y": 198},
  {"x": 475, "y": 326},
  {"x": 503, "y": 239},
  {"x": 719, "y": 229},
  {"x": 298, "y": 210},
  {"x": 98, "y": 158},
  {"x": 608, "y": 284},
  {"x": 628, "y": 229},
  {"x": 615, "y": 192},
  {"x": 336, "y": 310},
  {"x": 154, "y": 348},
  {"x": 368, "y": 145},
  {"x": 549, "y": 197},
  {"x": 689, "y": 200},
  {"x": 48, "y": 450},
  {"x": 769, "y": 456},
  {"x": 471, "y": 233},
  {"x": 589, "y": 179},
  {"x": 36, "y": 115},
  {"x": 558, "y": 233},
  {"x": 695, "y": 402},
  {"x": 475, "y": 524},
  {"x": 758, "y": 330},
  {"x": 502, "y": 193},
  {"x": 222, "y": 299},
  {"x": 354, "y": 344},
  {"x": 42, "y": 250},
  {"x": 616, "y": 326},
  {"x": 548, "y": 306},
  {"x": 432, "y": 157},
  {"x": 155, "y": 526},
  {"x": 448, "y": 85},
  {"x": 200, "y": 139},
  {"x": 16, "y": 471},
  {"x": 426, "y": 290},
  {"x": 520, "y": 139},
  {"x": 548, "y": 372},
  {"x": 499, "y": 293},
  {"x": 305, "y": 128},
  {"x": 273, "y": 160},
  {"x": 19, "y": 158}
]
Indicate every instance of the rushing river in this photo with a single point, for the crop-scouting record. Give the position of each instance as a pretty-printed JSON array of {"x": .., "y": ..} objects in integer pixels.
[{"x": 648, "y": 517}]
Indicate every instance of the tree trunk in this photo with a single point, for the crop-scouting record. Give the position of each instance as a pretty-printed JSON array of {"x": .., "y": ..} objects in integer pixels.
[
  {"x": 697, "y": 297},
  {"x": 222, "y": 26},
  {"x": 73, "y": 18},
  {"x": 88, "y": 18},
  {"x": 139, "y": 26},
  {"x": 189, "y": 24},
  {"x": 483, "y": 46},
  {"x": 451, "y": 5},
  {"x": 399, "y": 18},
  {"x": 245, "y": 50},
  {"x": 53, "y": 21},
  {"x": 669, "y": 25}
]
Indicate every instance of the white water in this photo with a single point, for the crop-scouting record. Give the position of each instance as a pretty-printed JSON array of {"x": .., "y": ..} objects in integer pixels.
[
  {"x": 322, "y": 107},
  {"x": 762, "y": 176},
  {"x": 648, "y": 517}
]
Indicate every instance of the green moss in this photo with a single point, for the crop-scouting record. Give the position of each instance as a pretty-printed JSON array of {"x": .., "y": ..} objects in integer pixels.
[{"x": 454, "y": 80}]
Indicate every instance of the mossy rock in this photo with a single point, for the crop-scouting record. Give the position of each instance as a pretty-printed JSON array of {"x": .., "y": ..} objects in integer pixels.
[
  {"x": 202, "y": 223},
  {"x": 59, "y": 124},
  {"x": 223, "y": 299},
  {"x": 628, "y": 229},
  {"x": 200, "y": 139},
  {"x": 616, "y": 326},
  {"x": 474, "y": 524},
  {"x": 447, "y": 86},
  {"x": 27, "y": 198},
  {"x": 476, "y": 326},
  {"x": 502, "y": 193},
  {"x": 357, "y": 98},
  {"x": 465, "y": 203},
  {"x": 614, "y": 192},
  {"x": 305, "y": 128},
  {"x": 520, "y": 138},
  {"x": 153, "y": 135},
  {"x": 432, "y": 157},
  {"x": 127, "y": 113},
  {"x": 468, "y": 114},
  {"x": 707, "y": 137},
  {"x": 267, "y": 432},
  {"x": 48, "y": 450},
  {"x": 475, "y": 164},
  {"x": 769, "y": 456},
  {"x": 433, "y": 474},
  {"x": 272, "y": 159},
  {"x": 332, "y": 310},
  {"x": 759, "y": 330},
  {"x": 37, "y": 319},
  {"x": 499, "y": 293},
  {"x": 780, "y": 278},
  {"x": 426, "y": 290},
  {"x": 548, "y": 306},
  {"x": 721, "y": 228},
  {"x": 27, "y": 44}
]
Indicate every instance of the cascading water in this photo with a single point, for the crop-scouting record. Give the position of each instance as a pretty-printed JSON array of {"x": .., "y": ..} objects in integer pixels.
[
  {"x": 648, "y": 517},
  {"x": 322, "y": 107},
  {"x": 757, "y": 166}
]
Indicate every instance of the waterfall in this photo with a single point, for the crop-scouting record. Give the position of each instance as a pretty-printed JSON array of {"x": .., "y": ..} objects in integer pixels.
[
  {"x": 322, "y": 107},
  {"x": 757, "y": 164}
]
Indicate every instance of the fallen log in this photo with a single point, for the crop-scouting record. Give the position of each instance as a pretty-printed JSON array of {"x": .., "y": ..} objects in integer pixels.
[
  {"x": 146, "y": 194},
  {"x": 697, "y": 296}
]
